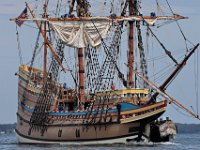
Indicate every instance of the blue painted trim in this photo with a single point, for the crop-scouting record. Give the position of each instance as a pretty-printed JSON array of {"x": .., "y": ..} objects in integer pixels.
[
  {"x": 127, "y": 106},
  {"x": 25, "y": 107},
  {"x": 124, "y": 107}
]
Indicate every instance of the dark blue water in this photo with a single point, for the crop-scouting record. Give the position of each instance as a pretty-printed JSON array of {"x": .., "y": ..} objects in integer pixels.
[{"x": 182, "y": 142}]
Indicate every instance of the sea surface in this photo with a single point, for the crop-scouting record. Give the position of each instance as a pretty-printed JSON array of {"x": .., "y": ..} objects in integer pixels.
[{"x": 182, "y": 142}]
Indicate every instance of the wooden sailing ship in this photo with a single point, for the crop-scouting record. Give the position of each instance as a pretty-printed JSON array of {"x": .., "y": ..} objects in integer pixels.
[{"x": 95, "y": 110}]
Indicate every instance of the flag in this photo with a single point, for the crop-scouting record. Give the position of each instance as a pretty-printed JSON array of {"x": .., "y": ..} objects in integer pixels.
[{"x": 23, "y": 15}]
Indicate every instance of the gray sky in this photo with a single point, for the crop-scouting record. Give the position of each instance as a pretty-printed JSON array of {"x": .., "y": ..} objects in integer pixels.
[{"x": 182, "y": 89}]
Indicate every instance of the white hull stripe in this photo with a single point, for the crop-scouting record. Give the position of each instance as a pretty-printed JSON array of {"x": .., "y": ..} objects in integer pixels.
[{"x": 122, "y": 140}]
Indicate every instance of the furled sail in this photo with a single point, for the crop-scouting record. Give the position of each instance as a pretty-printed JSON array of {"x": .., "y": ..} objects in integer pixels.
[
  {"x": 80, "y": 34},
  {"x": 84, "y": 31}
]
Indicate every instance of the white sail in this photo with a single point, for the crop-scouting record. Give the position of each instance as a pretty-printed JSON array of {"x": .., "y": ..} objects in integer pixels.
[
  {"x": 84, "y": 31},
  {"x": 80, "y": 34}
]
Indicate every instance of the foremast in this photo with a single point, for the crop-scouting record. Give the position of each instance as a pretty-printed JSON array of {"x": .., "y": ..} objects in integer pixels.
[{"x": 39, "y": 117}]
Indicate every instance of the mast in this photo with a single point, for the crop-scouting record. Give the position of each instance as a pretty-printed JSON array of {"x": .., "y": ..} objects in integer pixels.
[
  {"x": 45, "y": 42},
  {"x": 132, "y": 10},
  {"x": 82, "y": 11},
  {"x": 81, "y": 74}
]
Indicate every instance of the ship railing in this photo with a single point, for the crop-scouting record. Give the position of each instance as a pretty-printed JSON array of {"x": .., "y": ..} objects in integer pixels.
[
  {"x": 67, "y": 118},
  {"x": 142, "y": 111},
  {"x": 122, "y": 92}
]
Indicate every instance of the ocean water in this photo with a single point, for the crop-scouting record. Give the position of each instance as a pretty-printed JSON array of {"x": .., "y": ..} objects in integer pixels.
[{"x": 182, "y": 142}]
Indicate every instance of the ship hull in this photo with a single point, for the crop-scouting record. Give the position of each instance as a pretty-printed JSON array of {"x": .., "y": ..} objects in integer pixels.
[
  {"x": 28, "y": 140},
  {"x": 88, "y": 135},
  {"x": 118, "y": 122}
]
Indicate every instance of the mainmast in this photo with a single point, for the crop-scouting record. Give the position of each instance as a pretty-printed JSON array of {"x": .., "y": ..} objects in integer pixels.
[
  {"x": 81, "y": 74},
  {"x": 132, "y": 12},
  {"x": 82, "y": 11}
]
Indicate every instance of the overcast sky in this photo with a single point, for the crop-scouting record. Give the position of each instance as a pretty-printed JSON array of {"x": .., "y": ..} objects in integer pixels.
[{"x": 182, "y": 89}]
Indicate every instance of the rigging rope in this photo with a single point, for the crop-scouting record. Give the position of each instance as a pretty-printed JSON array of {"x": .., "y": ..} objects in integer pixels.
[
  {"x": 36, "y": 54},
  {"x": 178, "y": 110},
  {"x": 185, "y": 39},
  {"x": 196, "y": 67},
  {"x": 105, "y": 74},
  {"x": 159, "y": 9},
  {"x": 44, "y": 102},
  {"x": 58, "y": 8},
  {"x": 40, "y": 116},
  {"x": 164, "y": 48},
  {"x": 143, "y": 62},
  {"x": 19, "y": 47},
  {"x": 71, "y": 6},
  {"x": 164, "y": 71},
  {"x": 112, "y": 54},
  {"x": 196, "y": 74},
  {"x": 93, "y": 67},
  {"x": 31, "y": 65}
]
